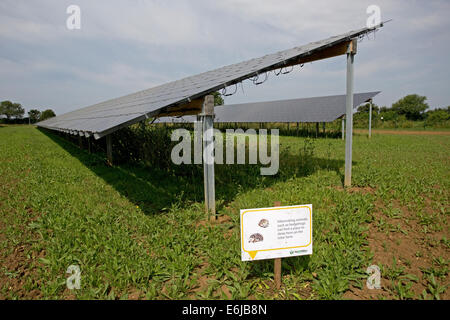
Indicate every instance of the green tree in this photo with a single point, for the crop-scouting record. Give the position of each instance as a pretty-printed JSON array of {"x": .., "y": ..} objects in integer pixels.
[
  {"x": 218, "y": 100},
  {"x": 46, "y": 114},
  {"x": 34, "y": 115},
  {"x": 412, "y": 106},
  {"x": 437, "y": 116},
  {"x": 366, "y": 107},
  {"x": 11, "y": 110},
  {"x": 389, "y": 115}
]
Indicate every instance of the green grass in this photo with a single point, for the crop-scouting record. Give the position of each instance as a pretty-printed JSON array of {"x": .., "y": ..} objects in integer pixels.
[{"x": 137, "y": 230}]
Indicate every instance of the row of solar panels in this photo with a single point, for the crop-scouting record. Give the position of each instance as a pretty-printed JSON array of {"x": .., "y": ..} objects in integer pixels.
[
  {"x": 316, "y": 109},
  {"x": 106, "y": 117}
]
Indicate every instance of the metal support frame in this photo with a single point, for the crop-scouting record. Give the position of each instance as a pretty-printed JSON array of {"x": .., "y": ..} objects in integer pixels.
[
  {"x": 198, "y": 144},
  {"x": 317, "y": 129},
  {"x": 370, "y": 118},
  {"x": 349, "y": 114},
  {"x": 343, "y": 128},
  {"x": 109, "y": 149},
  {"x": 207, "y": 118}
]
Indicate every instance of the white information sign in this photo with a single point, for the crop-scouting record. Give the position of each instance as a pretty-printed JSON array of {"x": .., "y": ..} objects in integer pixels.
[{"x": 277, "y": 232}]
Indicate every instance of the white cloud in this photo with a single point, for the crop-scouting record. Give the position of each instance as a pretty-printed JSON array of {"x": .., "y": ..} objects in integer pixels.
[{"x": 129, "y": 45}]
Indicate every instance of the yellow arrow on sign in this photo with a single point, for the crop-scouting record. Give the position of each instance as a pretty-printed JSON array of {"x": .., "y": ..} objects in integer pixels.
[{"x": 252, "y": 254}]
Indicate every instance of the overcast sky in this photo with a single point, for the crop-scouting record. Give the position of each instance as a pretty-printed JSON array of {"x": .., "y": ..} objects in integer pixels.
[{"x": 130, "y": 45}]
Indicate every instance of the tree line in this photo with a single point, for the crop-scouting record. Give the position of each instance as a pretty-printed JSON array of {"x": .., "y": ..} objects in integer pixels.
[
  {"x": 13, "y": 112},
  {"x": 410, "y": 111}
]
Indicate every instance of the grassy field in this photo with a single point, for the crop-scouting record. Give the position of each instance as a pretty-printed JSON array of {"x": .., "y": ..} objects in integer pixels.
[{"x": 140, "y": 233}]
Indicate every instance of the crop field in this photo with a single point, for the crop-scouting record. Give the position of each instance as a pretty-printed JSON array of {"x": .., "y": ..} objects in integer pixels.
[{"x": 140, "y": 233}]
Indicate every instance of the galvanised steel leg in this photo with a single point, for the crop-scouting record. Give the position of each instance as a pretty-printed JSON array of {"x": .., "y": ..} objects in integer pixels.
[
  {"x": 370, "y": 119},
  {"x": 349, "y": 121},
  {"x": 208, "y": 155}
]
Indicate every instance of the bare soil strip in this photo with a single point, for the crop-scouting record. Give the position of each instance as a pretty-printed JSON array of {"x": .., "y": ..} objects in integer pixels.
[
  {"x": 406, "y": 132},
  {"x": 413, "y": 250}
]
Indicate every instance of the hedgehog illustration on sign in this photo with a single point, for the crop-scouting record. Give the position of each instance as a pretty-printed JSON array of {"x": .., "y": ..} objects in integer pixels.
[
  {"x": 264, "y": 223},
  {"x": 256, "y": 237}
]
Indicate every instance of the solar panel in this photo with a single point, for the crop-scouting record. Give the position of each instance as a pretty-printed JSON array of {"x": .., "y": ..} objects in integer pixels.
[
  {"x": 316, "y": 109},
  {"x": 106, "y": 117}
]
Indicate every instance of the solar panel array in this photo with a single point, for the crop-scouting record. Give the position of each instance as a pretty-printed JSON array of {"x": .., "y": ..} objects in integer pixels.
[
  {"x": 316, "y": 109},
  {"x": 106, "y": 117}
]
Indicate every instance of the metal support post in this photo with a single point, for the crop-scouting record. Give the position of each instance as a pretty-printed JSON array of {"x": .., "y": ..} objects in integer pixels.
[
  {"x": 109, "y": 149},
  {"x": 207, "y": 117},
  {"x": 349, "y": 114},
  {"x": 370, "y": 118}
]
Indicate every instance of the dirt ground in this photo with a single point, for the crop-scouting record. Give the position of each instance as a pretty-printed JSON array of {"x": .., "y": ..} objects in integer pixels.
[
  {"x": 20, "y": 265},
  {"x": 414, "y": 252},
  {"x": 405, "y": 132}
]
